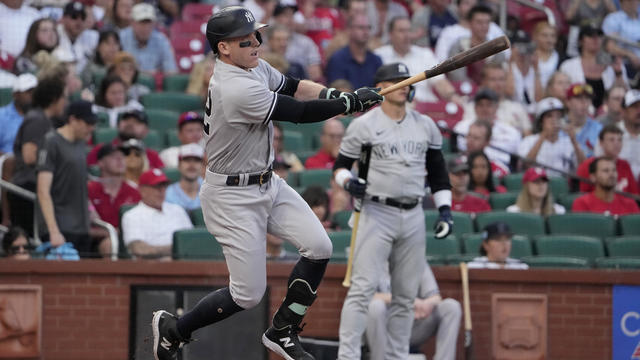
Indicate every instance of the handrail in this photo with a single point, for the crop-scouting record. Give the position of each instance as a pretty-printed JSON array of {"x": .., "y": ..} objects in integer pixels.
[
  {"x": 113, "y": 236},
  {"x": 622, "y": 40},
  {"x": 29, "y": 195},
  {"x": 551, "y": 18}
]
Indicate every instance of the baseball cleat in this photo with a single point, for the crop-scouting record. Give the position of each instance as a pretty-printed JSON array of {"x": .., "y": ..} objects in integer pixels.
[
  {"x": 285, "y": 343},
  {"x": 166, "y": 339}
]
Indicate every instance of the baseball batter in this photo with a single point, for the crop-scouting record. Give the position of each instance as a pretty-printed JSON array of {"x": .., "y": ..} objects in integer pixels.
[
  {"x": 242, "y": 198},
  {"x": 406, "y": 147}
]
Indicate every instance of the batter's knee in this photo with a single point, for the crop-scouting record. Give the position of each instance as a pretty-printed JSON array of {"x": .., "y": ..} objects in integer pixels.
[
  {"x": 450, "y": 308},
  {"x": 248, "y": 297}
]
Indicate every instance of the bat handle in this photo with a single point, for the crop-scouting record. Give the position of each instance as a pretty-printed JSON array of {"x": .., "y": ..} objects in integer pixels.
[{"x": 347, "y": 276}]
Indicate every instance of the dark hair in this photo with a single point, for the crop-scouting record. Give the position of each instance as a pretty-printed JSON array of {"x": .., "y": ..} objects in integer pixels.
[
  {"x": 31, "y": 44},
  {"x": 479, "y": 9},
  {"x": 609, "y": 129},
  {"x": 317, "y": 196},
  {"x": 11, "y": 236},
  {"x": 593, "y": 167},
  {"x": 49, "y": 90},
  {"x": 393, "y": 21},
  {"x": 104, "y": 36},
  {"x": 488, "y": 183},
  {"x": 104, "y": 86}
]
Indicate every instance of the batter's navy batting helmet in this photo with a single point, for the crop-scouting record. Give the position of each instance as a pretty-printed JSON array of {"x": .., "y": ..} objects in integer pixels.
[
  {"x": 394, "y": 72},
  {"x": 230, "y": 22}
]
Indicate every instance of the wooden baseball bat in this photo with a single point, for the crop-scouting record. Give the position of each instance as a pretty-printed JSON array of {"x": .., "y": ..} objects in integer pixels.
[
  {"x": 457, "y": 61},
  {"x": 363, "y": 170},
  {"x": 468, "y": 339}
]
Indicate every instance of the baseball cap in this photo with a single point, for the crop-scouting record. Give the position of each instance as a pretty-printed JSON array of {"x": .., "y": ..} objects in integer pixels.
[
  {"x": 189, "y": 116},
  {"x": 82, "y": 110},
  {"x": 25, "y": 82},
  {"x": 191, "y": 150},
  {"x": 139, "y": 115},
  {"x": 486, "y": 94},
  {"x": 548, "y": 104},
  {"x": 106, "y": 150},
  {"x": 533, "y": 174},
  {"x": 631, "y": 97},
  {"x": 283, "y": 5},
  {"x": 132, "y": 143},
  {"x": 495, "y": 229},
  {"x": 457, "y": 164},
  {"x": 153, "y": 177},
  {"x": 522, "y": 42},
  {"x": 579, "y": 90},
  {"x": 75, "y": 9},
  {"x": 142, "y": 12}
]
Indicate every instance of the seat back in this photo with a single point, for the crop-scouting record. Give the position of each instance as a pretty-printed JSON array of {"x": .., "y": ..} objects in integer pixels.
[
  {"x": 500, "y": 201},
  {"x": 196, "y": 244},
  {"x": 586, "y": 247},
  {"x": 173, "y": 101},
  {"x": 162, "y": 120},
  {"x": 321, "y": 177},
  {"x": 630, "y": 224},
  {"x": 442, "y": 247},
  {"x": 175, "y": 82},
  {"x": 618, "y": 263},
  {"x": 520, "y": 245},
  {"x": 341, "y": 218},
  {"x": 520, "y": 223},
  {"x": 513, "y": 182},
  {"x": 341, "y": 241},
  {"x": 587, "y": 224},
  {"x": 556, "y": 262},
  {"x": 197, "y": 217},
  {"x": 624, "y": 246},
  {"x": 462, "y": 222}
]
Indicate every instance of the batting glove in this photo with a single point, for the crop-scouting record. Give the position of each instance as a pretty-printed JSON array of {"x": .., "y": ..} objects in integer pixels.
[
  {"x": 330, "y": 93},
  {"x": 361, "y": 100},
  {"x": 444, "y": 225},
  {"x": 356, "y": 187}
]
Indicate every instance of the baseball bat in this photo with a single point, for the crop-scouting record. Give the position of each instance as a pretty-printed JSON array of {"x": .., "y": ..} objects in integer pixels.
[
  {"x": 457, "y": 61},
  {"x": 468, "y": 339},
  {"x": 363, "y": 170}
]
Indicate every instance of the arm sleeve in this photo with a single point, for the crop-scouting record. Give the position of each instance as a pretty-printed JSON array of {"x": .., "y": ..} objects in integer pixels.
[
  {"x": 289, "y": 109},
  {"x": 437, "y": 174},
  {"x": 343, "y": 162}
]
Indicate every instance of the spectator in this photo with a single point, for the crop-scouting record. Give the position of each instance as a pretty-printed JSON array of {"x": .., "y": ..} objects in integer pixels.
[
  {"x": 148, "y": 228},
  {"x": 49, "y": 101},
  {"x": 428, "y": 21},
  {"x": 278, "y": 37},
  {"x": 545, "y": 38},
  {"x": 527, "y": 85},
  {"x": 110, "y": 192},
  {"x": 558, "y": 85},
  {"x": 631, "y": 130},
  {"x": 355, "y": 62},
  {"x": 62, "y": 182},
  {"x": 186, "y": 191},
  {"x": 479, "y": 18},
  {"x": 612, "y": 107},
  {"x": 112, "y": 99},
  {"x": 481, "y": 178},
  {"x": 125, "y": 67},
  {"x": 12, "y": 115},
  {"x": 16, "y": 17},
  {"x": 135, "y": 163},
  {"x": 332, "y": 133},
  {"x": 416, "y": 59},
  {"x": 611, "y": 145},
  {"x": 150, "y": 47},
  {"x": 105, "y": 55},
  {"x": 433, "y": 316},
  {"x": 549, "y": 146},
  {"x": 588, "y": 67},
  {"x": 281, "y": 168},
  {"x": 625, "y": 24},
  {"x": 190, "y": 130},
  {"x": 132, "y": 124},
  {"x": 262, "y": 10},
  {"x": 535, "y": 196},
  {"x": 603, "y": 199},
  {"x": 42, "y": 36},
  {"x": 584, "y": 13},
  {"x": 348, "y": 10},
  {"x": 380, "y": 14},
  {"x": 121, "y": 15},
  {"x": 318, "y": 200},
  {"x": 75, "y": 39},
  {"x": 321, "y": 21},
  {"x": 478, "y": 139},
  {"x": 504, "y": 137},
  {"x": 578, "y": 100},
  {"x": 459, "y": 178},
  {"x": 495, "y": 249},
  {"x": 280, "y": 154},
  {"x": 277, "y": 252},
  {"x": 200, "y": 75},
  {"x": 16, "y": 244}
]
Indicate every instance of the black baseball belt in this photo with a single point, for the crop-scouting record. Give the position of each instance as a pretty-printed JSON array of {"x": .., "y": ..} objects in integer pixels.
[
  {"x": 261, "y": 178},
  {"x": 395, "y": 203}
]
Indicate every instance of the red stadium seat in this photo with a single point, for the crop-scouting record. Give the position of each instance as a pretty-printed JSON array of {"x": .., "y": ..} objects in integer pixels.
[
  {"x": 188, "y": 51},
  {"x": 465, "y": 88},
  {"x": 197, "y": 12},
  {"x": 443, "y": 110},
  {"x": 180, "y": 29}
]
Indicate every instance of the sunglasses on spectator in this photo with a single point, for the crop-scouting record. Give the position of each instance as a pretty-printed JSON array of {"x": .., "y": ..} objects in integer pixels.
[
  {"x": 585, "y": 89},
  {"x": 78, "y": 16},
  {"x": 16, "y": 249},
  {"x": 129, "y": 150}
]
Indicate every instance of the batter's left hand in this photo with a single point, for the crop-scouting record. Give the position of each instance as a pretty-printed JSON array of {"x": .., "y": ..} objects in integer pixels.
[
  {"x": 444, "y": 225},
  {"x": 367, "y": 98}
]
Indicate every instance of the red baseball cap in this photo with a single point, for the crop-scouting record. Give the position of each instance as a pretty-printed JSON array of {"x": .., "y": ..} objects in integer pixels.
[
  {"x": 153, "y": 177},
  {"x": 189, "y": 116},
  {"x": 533, "y": 174},
  {"x": 579, "y": 90}
]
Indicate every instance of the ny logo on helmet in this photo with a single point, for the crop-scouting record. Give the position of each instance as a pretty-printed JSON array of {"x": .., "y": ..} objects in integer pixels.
[
  {"x": 249, "y": 17},
  {"x": 402, "y": 68}
]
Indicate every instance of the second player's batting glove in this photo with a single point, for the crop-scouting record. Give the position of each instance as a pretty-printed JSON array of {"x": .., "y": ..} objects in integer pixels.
[
  {"x": 444, "y": 225},
  {"x": 356, "y": 187},
  {"x": 361, "y": 100}
]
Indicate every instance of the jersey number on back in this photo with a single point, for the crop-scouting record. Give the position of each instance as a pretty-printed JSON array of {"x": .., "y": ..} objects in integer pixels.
[{"x": 207, "y": 110}]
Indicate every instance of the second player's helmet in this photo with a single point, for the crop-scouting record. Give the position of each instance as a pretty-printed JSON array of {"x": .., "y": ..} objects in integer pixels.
[
  {"x": 230, "y": 22},
  {"x": 394, "y": 72}
]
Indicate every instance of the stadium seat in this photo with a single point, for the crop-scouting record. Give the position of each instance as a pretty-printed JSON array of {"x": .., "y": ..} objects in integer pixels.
[
  {"x": 341, "y": 241},
  {"x": 586, "y": 247},
  {"x": 520, "y": 245},
  {"x": 147, "y": 80},
  {"x": 462, "y": 222},
  {"x": 455, "y": 260},
  {"x": 104, "y": 135},
  {"x": 176, "y": 82},
  {"x": 442, "y": 248},
  {"x": 618, "y": 263},
  {"x": 442, "y": 110},
  {"x": 171, "y": 138},
  {"x": 446, "y": 145},
  {"x": 520, "y": 223},
  {"x": 197, "y": 12},
  {"x": 624, "y": 246},
  {"x": 513, "y": 182},
  {"x": 196, "y": 244},
  {"x": 559, "y": 186},
  {"x": 630, "y": 224},
  {"x": 153, "y": 140},
  {"x": 556, "y": 262},
  {"x": 341, "y": 218},
  {"x": 6, "y": 96},
  {"x": 500, "y": 201},
  {"x": 293, "y": 141},
  {"x": 566, "y": 200},
  {"x": 197, "y": 217},
  {"x": 174, "y": 101},
  {"x": 162, "y": 120},
  {"x": 311, "y": 132},
  {"x": 103, "y": 120},
  {"x": 582, "y": 224},
  {"x": 123, "y": 252},
  {"x": 319, "y": 177},
  {"x": 172, "y": 173}
]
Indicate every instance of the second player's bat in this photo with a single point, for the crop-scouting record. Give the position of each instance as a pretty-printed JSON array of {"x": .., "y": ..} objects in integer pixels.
[
  {"x": 468, "y": 339},
  {"x": 457, "y": 61},
  {"x": 363, "y": 170}
]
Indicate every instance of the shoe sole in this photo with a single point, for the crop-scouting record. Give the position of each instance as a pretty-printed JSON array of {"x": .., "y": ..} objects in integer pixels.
[
  {"x": 274, "y": 347},
  {"x": 156, "y": 332}
]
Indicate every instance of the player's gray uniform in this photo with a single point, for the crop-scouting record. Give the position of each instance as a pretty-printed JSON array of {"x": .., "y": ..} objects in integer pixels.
[
  {"x": 397, "y": 170},
  {"x": 239, "y": 138}
]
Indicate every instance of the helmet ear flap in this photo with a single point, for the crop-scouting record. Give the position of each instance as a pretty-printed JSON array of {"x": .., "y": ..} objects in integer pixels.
[
  {"x": 411, "y": 94},
  {"x": 259, "y": 37}
]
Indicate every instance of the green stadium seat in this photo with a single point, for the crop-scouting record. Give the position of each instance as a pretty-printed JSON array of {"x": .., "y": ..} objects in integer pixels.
[
  {"x": 197, "y": 217},
  {"x": 341, "y": 241},
  {"x": 172, "y": 173},
  {"x": 520, "y": 223},
  {"x": 94, "y": 170},
  {"x": 455, "y": 260},
  {"x": 311, "y": 132},
  {"x": 630, "y": 224},
  {"x": 319, "y": 177},
  {"x": 172, "y": 138},
  {"x": 341, "y": 218},
  {"x": 446, "y": 145},
  {"x": 196, "y": 244},
  {"x": 153, "y": 140},
  {"x": 513, "y": 182},
  {"x": 582, "y": 224},
  {"x": 304, "y": 155},
  {"x": 162, "y": 120},
  {"x": 103, "y": 120},
  {"x": 624, "y": 246},
  {"x": 566, "y": 200},
  {"x": 558, "y": 185},
  {"x": 436, "y": 260},
  {"x": 585, "y": 247},
  {"x": 123, "y": 252},
  {"x": 104, "y": 135},
  {"x": 462, "y": 222},
  {"x": 176, "y": 82},
  {"x": 6, "y": 96},
  {"x": 147, "y": 80},
  {"x": 174, "y": 101},
  {"x": 520, "y": 245},
  {"x": 556, "y": 262},
  {"x": 293, "y": 141},
  {"x": 442, "y": 248},
  {"x": 500, "y": 201},
  {"x": 618, "y": 263}
]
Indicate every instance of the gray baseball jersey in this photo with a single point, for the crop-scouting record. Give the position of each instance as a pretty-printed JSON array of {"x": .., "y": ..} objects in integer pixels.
[
  {"x": 238, "y": 132},
  {"x": 397, "y": 167}
]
